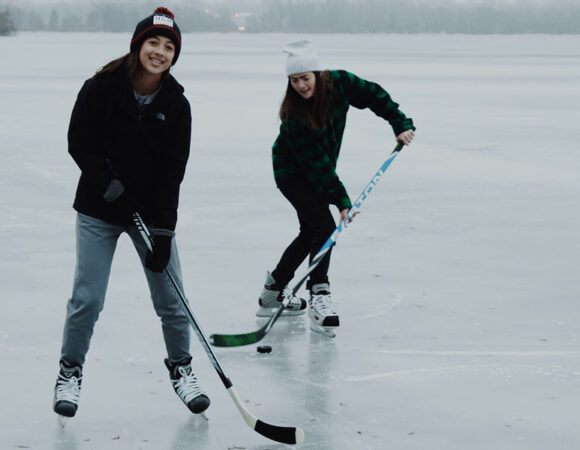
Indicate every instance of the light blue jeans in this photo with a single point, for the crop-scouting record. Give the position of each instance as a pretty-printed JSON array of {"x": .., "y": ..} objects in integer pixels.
[{"x": 96, "y": 243}]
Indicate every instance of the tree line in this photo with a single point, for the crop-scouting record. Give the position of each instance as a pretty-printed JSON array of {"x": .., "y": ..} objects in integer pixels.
[
  {"x": 6, "y": 25},
  {"x": 311, "y": 16}
]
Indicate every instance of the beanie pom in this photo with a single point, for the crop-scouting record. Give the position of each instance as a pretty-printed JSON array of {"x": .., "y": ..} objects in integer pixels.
[{"x": 163, "y": 10}]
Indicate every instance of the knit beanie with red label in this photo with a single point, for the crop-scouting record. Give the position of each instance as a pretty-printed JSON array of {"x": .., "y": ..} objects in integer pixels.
[{"x": 160, "y": 23}]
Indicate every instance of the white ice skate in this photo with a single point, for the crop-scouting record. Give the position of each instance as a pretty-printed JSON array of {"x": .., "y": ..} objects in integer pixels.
[
  {"x": 324, "y": 319},
  {"x": 272, "y": 296}
]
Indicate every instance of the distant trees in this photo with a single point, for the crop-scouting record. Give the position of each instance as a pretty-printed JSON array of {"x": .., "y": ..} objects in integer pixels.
[
  {"x": 418, "y": 16},
  {"x": 120, "y": 17},
  {"x": 311, "y": 16},
  {"x": 6, "y": 25}
]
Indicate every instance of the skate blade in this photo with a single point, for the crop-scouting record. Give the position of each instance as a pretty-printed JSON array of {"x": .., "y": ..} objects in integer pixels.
[
  {"x": 62, "y": 420},
  {"x": 325, "y": 331},
  {"x": 268, "y": 312},
  {"x": 204, "y": 415}
]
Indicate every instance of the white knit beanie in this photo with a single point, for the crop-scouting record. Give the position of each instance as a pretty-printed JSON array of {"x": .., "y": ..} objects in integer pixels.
[{"x": 301, "y": 57}]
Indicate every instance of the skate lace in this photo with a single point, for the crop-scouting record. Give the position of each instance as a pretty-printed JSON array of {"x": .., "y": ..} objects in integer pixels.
[
  {"x": 294, "y": 302},
  {"x": 186, "y": 386},
  {"x": 68, "y": 389},
  {"x": 321, "y": 304}
]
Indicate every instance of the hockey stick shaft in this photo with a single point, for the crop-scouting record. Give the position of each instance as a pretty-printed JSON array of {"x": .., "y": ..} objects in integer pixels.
[
  {"x": 288, "y": 435},
  {"x": 342, "y": 225},
  {"x": 232, "y": 340}
]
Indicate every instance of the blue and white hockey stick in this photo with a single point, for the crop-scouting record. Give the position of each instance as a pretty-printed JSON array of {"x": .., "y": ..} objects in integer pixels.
[{"x": 234, "y": 340}]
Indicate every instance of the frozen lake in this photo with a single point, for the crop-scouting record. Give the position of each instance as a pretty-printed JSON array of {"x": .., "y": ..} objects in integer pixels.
[{"x": 458, "y": 285}]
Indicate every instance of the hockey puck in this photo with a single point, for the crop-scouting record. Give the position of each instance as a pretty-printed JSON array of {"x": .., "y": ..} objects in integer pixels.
[{"x": 264, "y": 349}]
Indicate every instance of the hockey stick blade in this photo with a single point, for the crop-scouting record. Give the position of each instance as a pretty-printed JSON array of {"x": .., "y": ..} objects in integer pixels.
[
  {"x": 286, "y": 435},
  {"x": 236, "y": 340}
]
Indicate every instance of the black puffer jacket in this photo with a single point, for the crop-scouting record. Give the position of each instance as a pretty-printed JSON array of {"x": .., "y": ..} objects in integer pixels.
[{"x": 147, "y": 151}]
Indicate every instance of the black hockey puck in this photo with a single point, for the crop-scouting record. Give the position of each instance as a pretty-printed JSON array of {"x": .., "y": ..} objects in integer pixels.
[{"x": 264, "y": 349}]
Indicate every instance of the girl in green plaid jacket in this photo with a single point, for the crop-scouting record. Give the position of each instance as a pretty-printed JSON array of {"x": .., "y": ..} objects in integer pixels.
[{"x": 304, "y": 156}]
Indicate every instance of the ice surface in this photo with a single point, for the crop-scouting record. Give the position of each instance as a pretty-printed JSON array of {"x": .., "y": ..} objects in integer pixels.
[{"x": 457, "y": 285}]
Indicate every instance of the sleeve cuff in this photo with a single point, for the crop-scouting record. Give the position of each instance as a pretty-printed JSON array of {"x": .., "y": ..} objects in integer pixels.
[
  {"x": 114, "y": 190},
  {"x": 161, "y": 232}
]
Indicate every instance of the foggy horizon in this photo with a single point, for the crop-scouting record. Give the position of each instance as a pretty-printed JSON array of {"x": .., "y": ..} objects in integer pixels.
[{"x": 300, "y": 16}]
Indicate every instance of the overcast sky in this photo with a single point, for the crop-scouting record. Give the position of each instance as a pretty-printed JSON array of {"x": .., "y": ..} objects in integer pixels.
[{"x": 168, "y": 3}]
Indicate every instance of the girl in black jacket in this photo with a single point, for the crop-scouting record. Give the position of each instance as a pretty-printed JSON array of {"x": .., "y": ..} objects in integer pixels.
[{"x": 130, "y": 135}]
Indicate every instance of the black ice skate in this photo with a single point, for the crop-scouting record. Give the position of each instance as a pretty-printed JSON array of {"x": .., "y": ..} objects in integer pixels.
[
  {"x": 187, "y": 388},
  {"x": 67, "y": 391}
]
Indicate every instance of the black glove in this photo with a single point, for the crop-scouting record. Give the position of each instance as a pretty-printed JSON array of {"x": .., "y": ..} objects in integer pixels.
[{"x": 157, "y": 260}]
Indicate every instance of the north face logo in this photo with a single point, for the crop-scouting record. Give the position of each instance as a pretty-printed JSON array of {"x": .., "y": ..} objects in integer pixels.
[{"x": 163, "y": 20}]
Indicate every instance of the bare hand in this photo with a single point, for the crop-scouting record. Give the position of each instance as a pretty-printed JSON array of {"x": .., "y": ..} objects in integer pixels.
[
  {"x": 344, "y": 215},
  {"x": 406, "y": 137}
]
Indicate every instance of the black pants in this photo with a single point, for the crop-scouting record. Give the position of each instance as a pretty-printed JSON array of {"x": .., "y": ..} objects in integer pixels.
[{"x": 316, "y": 226}]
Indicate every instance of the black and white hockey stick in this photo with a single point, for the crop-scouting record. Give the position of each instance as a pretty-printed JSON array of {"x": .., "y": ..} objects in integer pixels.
[
  {"x": 287, "y": 435},
  {"x": 234, "y": 340}
]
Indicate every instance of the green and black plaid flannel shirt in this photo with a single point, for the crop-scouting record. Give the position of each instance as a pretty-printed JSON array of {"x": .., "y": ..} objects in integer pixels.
[{"x": 303, "y": 152}]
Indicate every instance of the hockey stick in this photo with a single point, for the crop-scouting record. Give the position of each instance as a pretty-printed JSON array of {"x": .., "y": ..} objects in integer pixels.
[
  {"x": 287, "y": 435},
  {"x": 234, "y": 340}
]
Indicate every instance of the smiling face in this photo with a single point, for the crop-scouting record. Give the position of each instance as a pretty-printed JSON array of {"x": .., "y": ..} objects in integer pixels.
[
  {"x": 156, "y": 54},
  {"x": 304, "y": 83}
]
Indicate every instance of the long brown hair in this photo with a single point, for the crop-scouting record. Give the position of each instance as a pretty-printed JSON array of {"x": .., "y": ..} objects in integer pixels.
[
  {"x": 133, "y": 65},
  {"x": 315, "y": 109}
]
